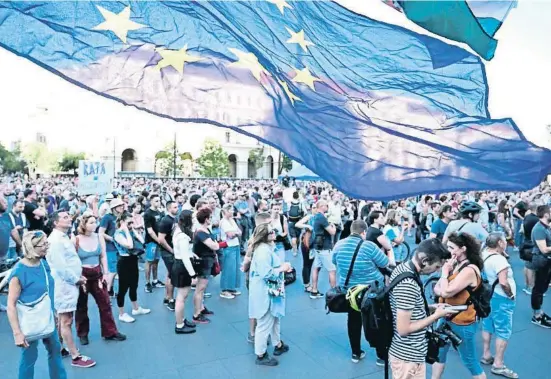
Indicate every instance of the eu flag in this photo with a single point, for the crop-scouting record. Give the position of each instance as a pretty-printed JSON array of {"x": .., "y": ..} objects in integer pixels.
[{"x": 375, "y": 109}]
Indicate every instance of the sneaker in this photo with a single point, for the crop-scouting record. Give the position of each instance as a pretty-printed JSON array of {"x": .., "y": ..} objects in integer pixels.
[
  {"x": 125, "y": 317},
  {"x": 527, "y": 291},
  {"x": 165, "y": 301},
  {"x": 84, "y": 341},
  {"x": 116, "y": 337},
  {"x": 380, "y": 362},
  {"x": 140, "y": 311},
  {"x": 356, "y": 358},
  {"x": 83, "y": 362},
  {"x": 250, "y": 338},
  {"x": 226, "y": 295},
  {"x": 207, "y": 295},
  {"x": 201, "y": 319},
  {"x": 235, "y": 292},
  {"x": 111, "y": 293},
  {"x": 171, "y": 305},
  {"x": 281, "y": 349},
  {"x": 206, "y": 312},
  {"x": 193, "y": 286},
  {"x": 158, "y": 284},
  {"x": 316, "y": 295},
  {"x": 543, "y": 320},
  {"x": 266, "y": 360},
  {"x": 184, "y": 329},
  {"x": 64, "y": 353},
  {"x": 148, "y": 288},
  {"x": 190, "y": 324}
]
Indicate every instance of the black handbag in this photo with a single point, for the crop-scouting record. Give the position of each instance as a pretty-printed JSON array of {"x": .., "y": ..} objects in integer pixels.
[
  {"x": 291, "y": 276},
  {"x": 335, "y": 298},
  {"x": 526, "y": 251}
]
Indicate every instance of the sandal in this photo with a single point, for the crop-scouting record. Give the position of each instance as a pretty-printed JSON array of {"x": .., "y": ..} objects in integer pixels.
[
  {"x": 504, "y": 371},
  {"x": 487, "y": 361}
]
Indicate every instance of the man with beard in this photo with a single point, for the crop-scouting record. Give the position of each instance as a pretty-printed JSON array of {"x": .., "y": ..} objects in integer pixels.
[{"x": 34, "y": 214}]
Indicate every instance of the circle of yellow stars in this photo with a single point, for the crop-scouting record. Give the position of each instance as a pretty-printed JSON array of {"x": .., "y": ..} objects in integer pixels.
[{"x": 120, "y": 24}]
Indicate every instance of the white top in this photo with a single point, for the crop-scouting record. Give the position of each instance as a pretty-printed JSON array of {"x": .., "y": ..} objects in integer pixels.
[
  {"x": 493, "y": 266},
  {"x": 183, "y": 249},
  {"x": 229, "y": 226}
]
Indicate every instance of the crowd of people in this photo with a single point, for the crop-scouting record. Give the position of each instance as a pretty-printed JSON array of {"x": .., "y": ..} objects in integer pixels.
[{"x": 70, "y": 245}]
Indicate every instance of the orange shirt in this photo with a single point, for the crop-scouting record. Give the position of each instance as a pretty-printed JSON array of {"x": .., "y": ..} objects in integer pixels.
[{"x": 465, "y": 317}]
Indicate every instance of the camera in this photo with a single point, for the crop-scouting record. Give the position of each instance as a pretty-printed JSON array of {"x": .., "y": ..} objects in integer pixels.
[{"x": 439, "y": 338}]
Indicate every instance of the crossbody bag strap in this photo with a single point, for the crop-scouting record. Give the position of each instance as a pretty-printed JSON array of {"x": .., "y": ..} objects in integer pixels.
[
  {"x": 352, "y": 262},
  {"x": 46, "y": 275}
]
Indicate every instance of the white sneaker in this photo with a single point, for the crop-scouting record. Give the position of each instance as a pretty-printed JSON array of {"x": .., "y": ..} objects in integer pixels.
[
  {"x": 226, "y": 295},
  {"x": 140, "y": 311},
  {"x": 125, "y": 317}
]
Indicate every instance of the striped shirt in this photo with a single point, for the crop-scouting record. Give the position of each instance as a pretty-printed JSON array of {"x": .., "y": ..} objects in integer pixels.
[
  {"x": 365, "y": 269},
  {"x": 407, "y": 296}
]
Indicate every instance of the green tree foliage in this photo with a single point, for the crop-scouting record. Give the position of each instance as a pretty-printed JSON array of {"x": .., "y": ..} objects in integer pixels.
[
  {"x": 256, "y": 156},
  {"x": 69, "y": 161},
  {"x": 39, "y": 158},
  {"x": 11, "y": 162},
  {"x": 213, "y": 162},
  {"x": 285, "y": 163}
]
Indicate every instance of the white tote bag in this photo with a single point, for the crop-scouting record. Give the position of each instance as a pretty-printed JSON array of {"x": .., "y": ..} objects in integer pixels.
[{"x": 36, "y": 319}]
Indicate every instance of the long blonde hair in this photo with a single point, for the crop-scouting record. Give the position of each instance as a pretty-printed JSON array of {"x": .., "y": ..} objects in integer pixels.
[{"x": 30, "y": 241}]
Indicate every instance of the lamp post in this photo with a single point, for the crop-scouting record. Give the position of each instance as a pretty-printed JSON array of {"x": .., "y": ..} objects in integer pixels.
[{"x": 174, "y": 153}]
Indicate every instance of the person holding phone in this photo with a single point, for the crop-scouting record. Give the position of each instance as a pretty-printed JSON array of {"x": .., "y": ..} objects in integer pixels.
[{"x": 460, "y": 272}]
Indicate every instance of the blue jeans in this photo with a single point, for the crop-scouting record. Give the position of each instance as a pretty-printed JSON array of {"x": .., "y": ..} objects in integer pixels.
[
  {"x": 519, "y": 237},
  {"x": 467, "y": 350},
  {"x": 230, "y": 278},
  {"x": 30, "y": 355}
]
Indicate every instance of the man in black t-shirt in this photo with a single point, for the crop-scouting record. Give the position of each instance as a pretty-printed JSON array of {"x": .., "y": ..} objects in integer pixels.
[
  {"x": 166, "y": 231},
  {"x": 152, "y": 218},
  {"x": 35, "y": 215},
  {"x": 519, "y": 211},
  {"x": 530, "y": 220},
  {"x": 376, "y": 221}
]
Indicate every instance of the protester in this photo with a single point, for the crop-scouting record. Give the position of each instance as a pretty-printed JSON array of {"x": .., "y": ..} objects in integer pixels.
[
  {"x": 500, "y": 321},
  {"x": 470, "y": 214},
  {"x": 322, "y": 245},
  {"x": 107, "y": 228},
  {"x": 541, "y": 237},
  {"x": 152, "y": 218},
  {"x": 90, "y": 248},
  {"x": 230, "y": 279},
  {"x": 166, "y": 231},
  {"x": 67, "y": 273},
  {"x": 266, "y": 294},
  {"x": 458, "y": 273},
  {"x": 30, "y": 281},
  {"x": 530, "y": 220}
]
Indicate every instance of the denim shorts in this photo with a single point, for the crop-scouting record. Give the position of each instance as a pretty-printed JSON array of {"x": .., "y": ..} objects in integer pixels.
[
  {"x": 467, "y": 350},
  {"x": 152, "y": 252},
  {"x": 500, "y": 321},
  {"x": 324, "y": 258},
  {"x": 112, "y": 259}
]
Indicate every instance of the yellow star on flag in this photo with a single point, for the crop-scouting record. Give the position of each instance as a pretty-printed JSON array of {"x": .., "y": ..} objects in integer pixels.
[
  {"x": 300, "y": 39},
  {"x": 248, "y": 61},
  {"x": 281, "y": 5},
  {"x": 120, "y": 24},
  {"x": 306, "y": 77},
  {"x": 291, "y": 95},
  {"x": 176, "y": 59}
]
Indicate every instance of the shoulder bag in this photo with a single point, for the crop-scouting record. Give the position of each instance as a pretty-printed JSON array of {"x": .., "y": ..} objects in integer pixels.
[
  {"x": 36, "y": 319},
  {"x": 335, "y": 298}
]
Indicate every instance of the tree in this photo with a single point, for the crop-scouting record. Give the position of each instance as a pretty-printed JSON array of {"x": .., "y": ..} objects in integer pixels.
[
  {"x": 213, "y": 161},
  {"x": 161, "y": 158},
  {"x": 39, "y": 159},
  {"x": 11, "y": 161},
  {"x": 285, "y": 163},
  {"x": 256, "y": 156},
  {"x": 69, "y": 161}
]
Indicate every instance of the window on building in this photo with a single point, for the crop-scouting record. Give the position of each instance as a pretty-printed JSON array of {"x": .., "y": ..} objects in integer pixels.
[{"x": 227, "y": 137}]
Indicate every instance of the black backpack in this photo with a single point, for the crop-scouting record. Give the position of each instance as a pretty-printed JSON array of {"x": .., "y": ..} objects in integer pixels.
[
  {"x": 377, "y": 316},
  {"x": 481, "y": 297},
  {"x": 295, "y": 212}
]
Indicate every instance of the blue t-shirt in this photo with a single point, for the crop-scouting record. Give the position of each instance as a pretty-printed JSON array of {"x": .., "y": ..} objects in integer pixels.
[
  {"x": 540, "y": 232},
  {"x": 33, "y": 281},
  {"x": 320, "y": 223},
  {"x": 5, "y": 232},
  {"x": 109, "y": 223},
  {"x": 439, "y": 228}
]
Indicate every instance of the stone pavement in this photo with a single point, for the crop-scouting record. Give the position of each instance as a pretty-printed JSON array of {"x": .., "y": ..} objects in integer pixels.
[{"x": 318, "y": 342}]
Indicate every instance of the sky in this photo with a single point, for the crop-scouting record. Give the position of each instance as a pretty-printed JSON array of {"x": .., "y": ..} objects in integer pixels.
[{"x": 519, "y": 80}]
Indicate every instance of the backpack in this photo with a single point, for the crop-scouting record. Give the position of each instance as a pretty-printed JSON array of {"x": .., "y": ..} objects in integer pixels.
[
  {"x": 377, "y": 315},
  {"x": 481, "y": 296},
  {"x": 295, "y": 212}
]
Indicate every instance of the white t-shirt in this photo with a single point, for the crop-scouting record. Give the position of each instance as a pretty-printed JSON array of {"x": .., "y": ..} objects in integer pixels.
[
  {"x": 229, "y": 226},
  {"x": 493, "y": 266}
]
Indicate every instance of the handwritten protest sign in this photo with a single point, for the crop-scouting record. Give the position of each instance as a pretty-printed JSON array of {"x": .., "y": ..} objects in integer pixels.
[{"x": 95, "y": 177}]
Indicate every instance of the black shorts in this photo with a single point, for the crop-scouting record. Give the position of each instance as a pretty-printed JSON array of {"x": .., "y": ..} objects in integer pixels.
[
  {"x": 294, "y": 232},
  {"x": 179, "y": 276},
  {"x": 205, "y": 271},
  {"x": 168, "y": 258}
]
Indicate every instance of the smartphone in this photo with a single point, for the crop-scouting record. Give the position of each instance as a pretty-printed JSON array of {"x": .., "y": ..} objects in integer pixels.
[{"x": 457, "y": 308}]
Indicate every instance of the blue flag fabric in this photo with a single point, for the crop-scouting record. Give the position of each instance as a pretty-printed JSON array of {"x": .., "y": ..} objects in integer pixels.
[
  {"x": 474, "y": 22},
  {"x": 375, "y": 109}
]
